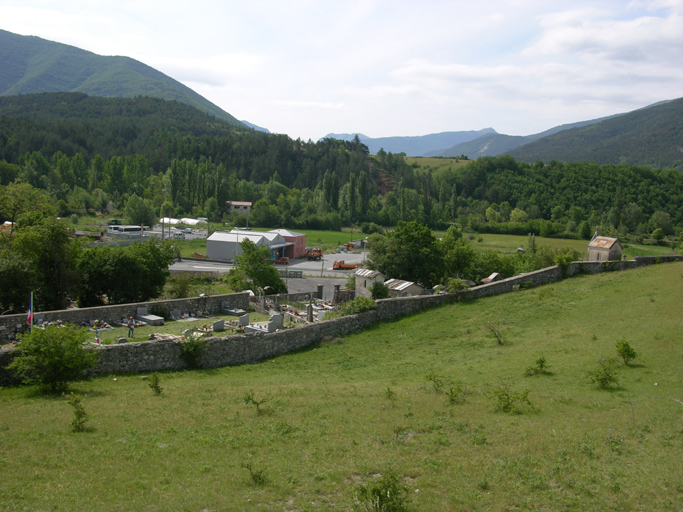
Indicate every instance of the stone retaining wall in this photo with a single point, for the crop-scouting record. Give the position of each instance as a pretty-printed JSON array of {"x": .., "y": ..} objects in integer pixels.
[
  {"x": 115, "y": 313},
  {"x": 251, "y": 348}
]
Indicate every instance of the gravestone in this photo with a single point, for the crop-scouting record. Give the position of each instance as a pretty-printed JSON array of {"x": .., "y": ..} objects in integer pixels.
[
  {"x": 218, "y": 325},
  {"x": 320, "y": 291},
  {"x": 244, "y": 320},
  {"x": 120, "y": 341},
  {"x": 142, "y": 311},
  {"x": 309, "y": 312},
  {"x": 277, "y": 320},
  {"x": 321, "y": 315}
]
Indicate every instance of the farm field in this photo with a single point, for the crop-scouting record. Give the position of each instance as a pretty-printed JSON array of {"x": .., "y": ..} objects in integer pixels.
[
  {"x": 415, "y": 397},
  {"x": 510, "y": 243},
  {"x": 436, "y": 165}
]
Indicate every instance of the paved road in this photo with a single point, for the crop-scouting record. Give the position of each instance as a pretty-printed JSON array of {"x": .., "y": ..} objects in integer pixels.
[
  {"x": 315, "y": 272},
  {"x": 321, "y": 268}
]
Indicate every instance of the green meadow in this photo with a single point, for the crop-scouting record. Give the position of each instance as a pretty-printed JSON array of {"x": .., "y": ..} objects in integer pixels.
[{"x": 417, "y": 397}]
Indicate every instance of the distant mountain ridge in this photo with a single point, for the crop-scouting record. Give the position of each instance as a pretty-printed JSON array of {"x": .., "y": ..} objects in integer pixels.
[
  {"x": 421, "y": 145},
  {"x": 651, "y": 136},
  {"x": 498, "y": 144},
  {"x": 30, "y": 64}
]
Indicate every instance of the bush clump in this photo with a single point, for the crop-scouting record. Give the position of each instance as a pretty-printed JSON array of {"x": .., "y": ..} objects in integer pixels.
[
  {"x": 625, "y": 351},
  {"x": 385, "y": 495},
  {"x": 605, "y": 375},
  {"x": 358, "y": 305},
  {"x": 53, "y": 357}
]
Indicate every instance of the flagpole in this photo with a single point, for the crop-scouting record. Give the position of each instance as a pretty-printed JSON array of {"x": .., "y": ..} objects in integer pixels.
[{"x": 30, "y": 314}]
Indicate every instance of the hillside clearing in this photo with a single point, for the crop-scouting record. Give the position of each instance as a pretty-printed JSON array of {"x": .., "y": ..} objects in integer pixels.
[{"x": 408, "y": 396}]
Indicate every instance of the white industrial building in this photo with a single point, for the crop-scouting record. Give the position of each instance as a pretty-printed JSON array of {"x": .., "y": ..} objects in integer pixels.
[{"x": 224, "y": 246}]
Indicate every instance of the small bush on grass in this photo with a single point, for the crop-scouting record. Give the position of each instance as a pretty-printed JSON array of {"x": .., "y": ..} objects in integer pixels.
[
  {"x": 508, "y": 401},
  {"x": 250, "y": 399},
  {"x": 153, "y": 383},
  {"x": 385, "y": 495},
  {"x": 80, "y": 416},
  {"x": 496, "y": 328},
  {"x": 455, "y": 394},
  {"x": 258, "y": 476},
  {"x": 605, "y": 375},
  {"x": 625, "y": 351},
  {"x": 435, "y": 380},
  {"x": 53, "y": 357},
  {"x": 541, "y": 368}
]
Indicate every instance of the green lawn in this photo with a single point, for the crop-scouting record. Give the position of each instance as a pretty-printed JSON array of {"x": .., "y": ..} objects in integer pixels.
[{"x": 340, "y": 414}]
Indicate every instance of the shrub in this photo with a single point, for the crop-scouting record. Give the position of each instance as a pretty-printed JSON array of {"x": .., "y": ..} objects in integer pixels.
[
  {"x": 509, "y": 401},
  {"x": 358, "y": 305},
  {"x": 249, "y": 398},
  {"x": 153, "y": 383},
  {"x": 625, "y": 351},
  {"x": 379, "y": 291},
  {"x": 53, "y": 357},
  {"x": 541, "y": 368},
  {"x": 385, "y": 495},
  {"x": 258, "y": 476},
  {"x": 605, "y": 374},
  {"x": 436, "y": 380},
  {"x": 455, "y": 394},
  {"x": 191, "y": 352},
  {"x": 80, "y": 416}
]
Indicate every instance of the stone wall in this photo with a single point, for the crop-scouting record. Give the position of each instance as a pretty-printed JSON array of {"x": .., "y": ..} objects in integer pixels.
[
  {"x": 115, "y": 313},
  {"x": 251, "y": 348}
]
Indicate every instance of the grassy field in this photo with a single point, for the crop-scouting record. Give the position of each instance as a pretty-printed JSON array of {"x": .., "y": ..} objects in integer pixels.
[
  {"x": 337, "y": 416},
  {"x": 436, "y": 166},
  {"x": 510, "y": 243}
]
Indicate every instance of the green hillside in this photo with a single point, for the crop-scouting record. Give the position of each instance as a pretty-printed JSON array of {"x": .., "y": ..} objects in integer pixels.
[
  {"x": 30, "y": 64},
  {"x": 416, "y": 397},
  {"x": 650, "y": 137}
]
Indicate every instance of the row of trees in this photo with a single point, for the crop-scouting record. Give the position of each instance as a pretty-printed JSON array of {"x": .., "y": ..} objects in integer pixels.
[
  {"x": 40, "y": 254},
  {"x": 411, "y": 252}
]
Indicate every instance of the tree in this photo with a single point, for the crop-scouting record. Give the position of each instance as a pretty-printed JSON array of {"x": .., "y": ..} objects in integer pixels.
[
  {"x": 51, "y": 252},
  {"x": 18, "y": 198},
  {"x": 257, "y": 267},
  {"x": 518, "y": 215},
  {"x": 458, "y": 254},
  {"x": 17, "y": 281},
  {"x": 379, "y": 291},
  {"x": 124, "y": 274},
  {"x": 139, "y": 212},
  {"x": 53, "y": 357},
  {"x": 410, "y": 252}
]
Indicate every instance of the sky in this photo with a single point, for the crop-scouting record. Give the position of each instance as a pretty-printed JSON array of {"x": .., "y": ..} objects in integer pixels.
[{"x": 307, "y": 68}]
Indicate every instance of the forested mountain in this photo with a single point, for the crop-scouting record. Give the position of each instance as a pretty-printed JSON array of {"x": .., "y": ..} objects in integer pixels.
[
  {"x": 29, "y": 64},
  {"x": 495, "y": 144},
  {"x": 651, "y": 137},
  {"x": 424, "y": 145},
  {"x": 87, "y": 153}
]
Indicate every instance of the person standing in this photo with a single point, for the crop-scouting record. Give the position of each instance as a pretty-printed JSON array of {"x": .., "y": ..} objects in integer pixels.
[{"x": 131, "y": 327}]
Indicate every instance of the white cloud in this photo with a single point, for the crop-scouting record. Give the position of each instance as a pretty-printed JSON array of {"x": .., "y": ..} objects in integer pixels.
[{"x": 382, "y": 67}]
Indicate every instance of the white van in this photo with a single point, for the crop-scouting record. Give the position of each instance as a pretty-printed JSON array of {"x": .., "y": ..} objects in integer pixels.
[{"x": 179, "y": 235}]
